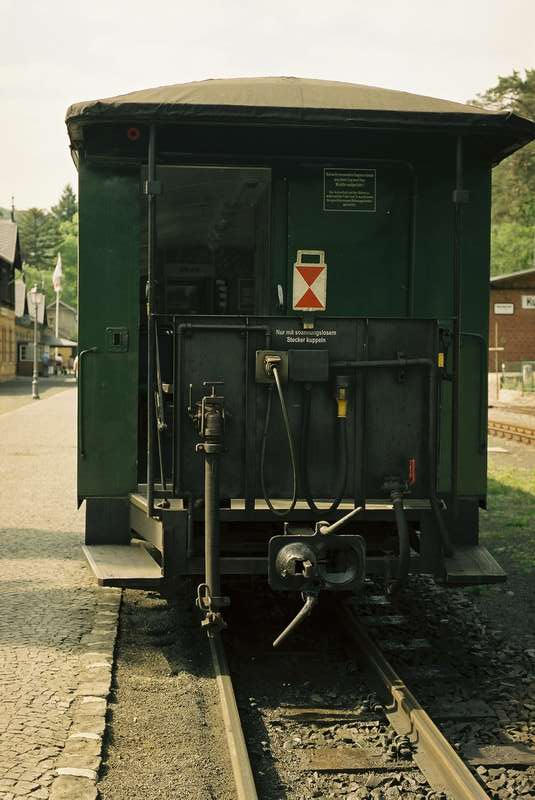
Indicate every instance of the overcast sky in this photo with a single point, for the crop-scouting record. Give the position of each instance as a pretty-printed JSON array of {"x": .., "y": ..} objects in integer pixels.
[{"x": 57, "y": 52}]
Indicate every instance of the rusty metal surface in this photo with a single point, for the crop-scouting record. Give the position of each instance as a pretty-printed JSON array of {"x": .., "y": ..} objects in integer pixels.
[
  {"x": 239, "y": 757},
  {"x": 433, "y": 754},
  {"x": 516, "y": 432}
]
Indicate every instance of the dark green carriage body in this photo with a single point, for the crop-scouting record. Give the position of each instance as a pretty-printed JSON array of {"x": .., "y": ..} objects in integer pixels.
[{"x": 389, "y": 251}]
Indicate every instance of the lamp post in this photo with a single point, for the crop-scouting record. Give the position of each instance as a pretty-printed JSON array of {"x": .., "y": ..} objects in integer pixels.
[{"x": 36, "y": 302}]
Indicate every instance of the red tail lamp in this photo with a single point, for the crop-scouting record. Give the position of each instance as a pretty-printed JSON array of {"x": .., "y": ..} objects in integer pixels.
[{"x": 133, "y": 134}]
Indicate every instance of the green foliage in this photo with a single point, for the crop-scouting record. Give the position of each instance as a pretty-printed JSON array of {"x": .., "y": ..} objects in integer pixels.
[
  {"x": 513, "y": 182},
  {"x": 67, "y": 206},
  {"x": 39, "y": 238},
  {"x": 508, "y": 528},
  {"x": 69, "y": 259},
  {"x": 44, "y": 234},
  {"x": 513, "y": 247}
]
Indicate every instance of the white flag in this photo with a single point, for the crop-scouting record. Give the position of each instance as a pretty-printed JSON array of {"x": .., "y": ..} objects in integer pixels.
[{"x": 57, "y": 275}]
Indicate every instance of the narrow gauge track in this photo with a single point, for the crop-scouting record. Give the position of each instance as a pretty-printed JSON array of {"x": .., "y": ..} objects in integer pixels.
[
  {"x": 508, "y": 431},
  {"x": 426, "y": 748}
]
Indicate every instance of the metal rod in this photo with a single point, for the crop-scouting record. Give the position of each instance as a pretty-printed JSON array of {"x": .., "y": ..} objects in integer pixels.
[
  {"x": 159, "y": 402},
  {"x": 81, "y": 439},
  {"x": 151, "y": 250},
  {"x": 412, "y": 246},
  {"x": 404, "y": 542},
  {"x": 310, "y": 602},
  {"x": 457, "y": 298},
  {"x": 35, "y": 376},
  {"x": 392, "y": 362},
  {"x": 239, "y": 757},
  {"x": 325, "y": 530},
  {"x": 432, "y": 470},
  {"x": 496, "y": 360},
  {"x": 211, "y": 522}
]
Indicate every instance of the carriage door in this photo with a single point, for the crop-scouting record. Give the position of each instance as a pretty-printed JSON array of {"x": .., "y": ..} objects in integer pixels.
[{"x": 359, "y": 220}]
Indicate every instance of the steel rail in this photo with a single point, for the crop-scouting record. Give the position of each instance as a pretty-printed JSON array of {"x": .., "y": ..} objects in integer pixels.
[
  {"x": 508, "y": 431},
  {"x": 441, "y": 765},
  {"x": 239, "y": 757}
]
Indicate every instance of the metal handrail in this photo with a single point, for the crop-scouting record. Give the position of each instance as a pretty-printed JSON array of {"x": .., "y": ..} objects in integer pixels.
[{"x": 81, "y": 444}]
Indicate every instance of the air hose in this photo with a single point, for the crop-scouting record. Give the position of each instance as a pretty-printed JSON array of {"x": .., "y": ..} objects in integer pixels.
[
  {"x": 286, "y": 511},
  {"x": 343, "y": 436},
  {"x": 404, "y": 543}
]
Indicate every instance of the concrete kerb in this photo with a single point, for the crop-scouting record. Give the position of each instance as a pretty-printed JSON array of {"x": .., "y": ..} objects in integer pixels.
[{"x": 78, "y": 765}]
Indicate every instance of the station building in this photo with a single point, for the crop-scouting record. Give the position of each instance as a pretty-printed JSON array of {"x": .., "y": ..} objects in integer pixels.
[
  {"x": 10, "y": 261},
  {"x": 512, "y": 317}
]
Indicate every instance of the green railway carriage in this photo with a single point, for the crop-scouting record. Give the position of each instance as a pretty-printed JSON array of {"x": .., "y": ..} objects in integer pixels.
[{"x": 283, "y": 300}]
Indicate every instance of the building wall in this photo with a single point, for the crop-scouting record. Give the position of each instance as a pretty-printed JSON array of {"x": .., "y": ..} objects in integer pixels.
[
  {"x": 8, "y": 354},
  {"x": 68, "y": 321},
  {"x": 516, "y": 331}
]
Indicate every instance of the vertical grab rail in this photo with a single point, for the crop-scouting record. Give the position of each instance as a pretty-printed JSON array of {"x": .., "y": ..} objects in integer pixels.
[
  {"x": 151, "y": 189},
  {"x": 460, "y": 196},
  {"x": 81, "y": 442}
]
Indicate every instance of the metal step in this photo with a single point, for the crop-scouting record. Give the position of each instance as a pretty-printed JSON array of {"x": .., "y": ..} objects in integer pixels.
[
  {"x": 471, "y": 566},
  {"x": 127, "y": 566}
]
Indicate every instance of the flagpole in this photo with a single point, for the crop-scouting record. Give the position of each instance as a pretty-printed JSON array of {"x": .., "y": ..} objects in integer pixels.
[
  {"x": 57, "y": 321},
  {"x": 56, "y": 283}
]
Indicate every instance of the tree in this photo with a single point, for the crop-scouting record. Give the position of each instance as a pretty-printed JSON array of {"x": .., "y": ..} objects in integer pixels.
[
  {"x": 513, "y": 181},
  {"x": 513, "y": 247},
  {"x": 69, "y": 260},
  {"x": 39, "y": 238},
  {"x": 43, "y": 235},
  {"x": 67, "y": 206}
]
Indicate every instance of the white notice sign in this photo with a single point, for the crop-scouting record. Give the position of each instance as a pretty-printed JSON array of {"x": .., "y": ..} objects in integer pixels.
[
  {"x": 504, "y": 308},
  {"x": 528, "y": 301}
]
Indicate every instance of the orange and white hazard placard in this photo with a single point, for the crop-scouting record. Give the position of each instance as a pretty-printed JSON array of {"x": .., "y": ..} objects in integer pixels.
[{"x": 310, "y": 281}]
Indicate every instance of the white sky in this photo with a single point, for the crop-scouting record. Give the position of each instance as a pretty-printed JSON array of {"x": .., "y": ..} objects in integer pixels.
[{"x": 57, "y": 52}]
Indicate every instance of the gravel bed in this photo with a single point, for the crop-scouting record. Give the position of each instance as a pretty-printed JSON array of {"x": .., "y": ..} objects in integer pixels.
[
  {"x": 467, "y": 660},
  {"x": 165, "y": 737},
  {"x": 313, "y": 669}
]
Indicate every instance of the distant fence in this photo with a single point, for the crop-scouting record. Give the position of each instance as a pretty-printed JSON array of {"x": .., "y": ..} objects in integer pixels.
[{"x": 518, "y": 375}]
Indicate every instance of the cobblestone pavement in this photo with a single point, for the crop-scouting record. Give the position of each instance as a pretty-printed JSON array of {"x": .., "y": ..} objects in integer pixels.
[
  {"x": 18, "y": 392},
  {"x": 47, "y": 597}
]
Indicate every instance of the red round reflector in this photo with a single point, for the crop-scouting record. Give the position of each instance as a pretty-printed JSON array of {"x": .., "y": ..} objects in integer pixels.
[{"x": 133, "y": 134}]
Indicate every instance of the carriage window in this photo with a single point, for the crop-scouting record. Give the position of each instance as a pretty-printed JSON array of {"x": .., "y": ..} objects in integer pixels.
[{"x": 212, "y": 229}]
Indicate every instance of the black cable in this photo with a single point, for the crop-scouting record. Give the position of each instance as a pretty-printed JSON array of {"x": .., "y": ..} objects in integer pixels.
[
  {"x": 404, "y": 544},
  {"x": 277, "y": 512},
  {"x": 343, "y": 435}
]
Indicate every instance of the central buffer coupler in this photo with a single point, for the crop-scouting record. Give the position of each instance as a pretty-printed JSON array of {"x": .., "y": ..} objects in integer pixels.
[
  {"x": 208, "y": 416},
  {"x": 309, "y": 561}
]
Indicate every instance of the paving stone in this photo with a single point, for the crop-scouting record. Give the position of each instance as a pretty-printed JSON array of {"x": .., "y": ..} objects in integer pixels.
[
  {"x": 100, "y": 689},
  {"x": 72, "y": 788},
  {"x": 91, "y": 706},
  {"x": 81, "y": 760},
  {"x": 88, "y": 723},
  {"x": 50, "y": 605}
]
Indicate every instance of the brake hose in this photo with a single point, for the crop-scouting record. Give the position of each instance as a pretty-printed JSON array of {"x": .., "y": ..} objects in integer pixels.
[
  {"x": 342, "y": 427},
  {"x": 278, "y": 512}
]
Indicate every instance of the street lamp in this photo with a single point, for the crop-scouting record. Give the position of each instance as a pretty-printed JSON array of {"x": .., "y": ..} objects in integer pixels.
[{"x": 36, "y": 298}]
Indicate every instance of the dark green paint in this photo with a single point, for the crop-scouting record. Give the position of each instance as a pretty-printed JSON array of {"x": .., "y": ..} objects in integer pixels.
[
  {"x": 108, "y": 297},
  {"x": 368, "y": 257}
]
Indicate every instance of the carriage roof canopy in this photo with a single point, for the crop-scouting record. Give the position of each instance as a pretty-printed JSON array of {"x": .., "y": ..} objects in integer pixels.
[{"x": 299, "y": 101}]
